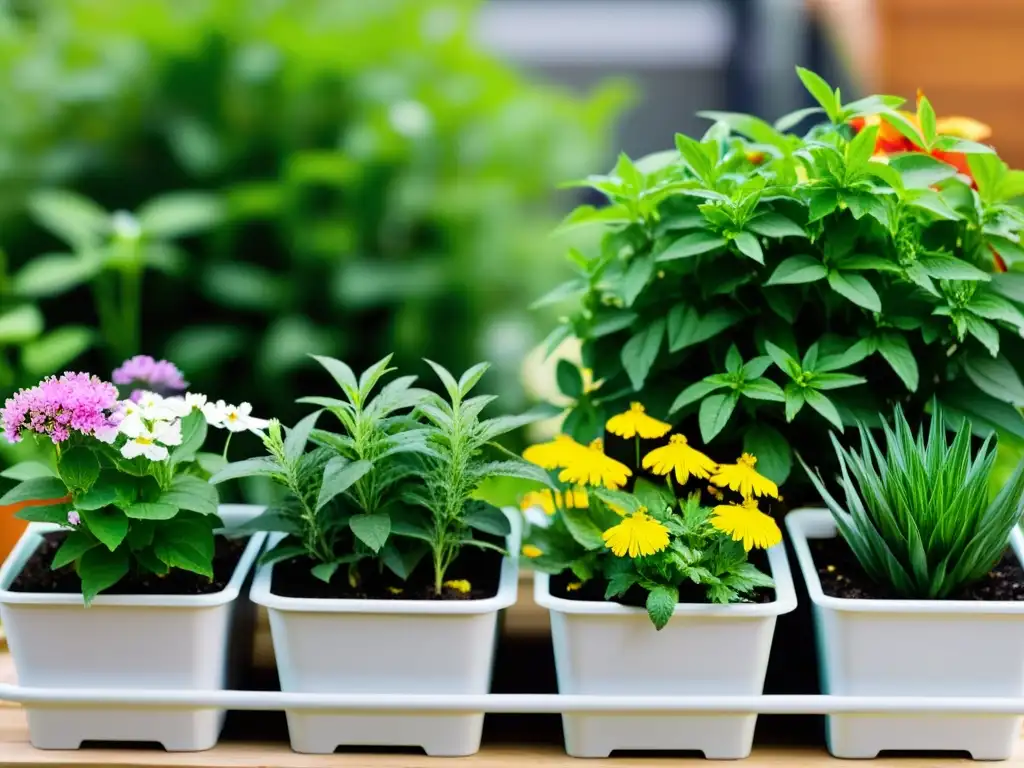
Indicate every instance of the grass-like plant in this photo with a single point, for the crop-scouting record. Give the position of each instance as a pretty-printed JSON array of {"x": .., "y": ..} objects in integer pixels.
[{"x": 917, "y": 514}]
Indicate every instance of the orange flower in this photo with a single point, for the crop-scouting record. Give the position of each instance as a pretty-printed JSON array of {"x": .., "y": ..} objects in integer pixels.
[{"x": 890, "y": 141}]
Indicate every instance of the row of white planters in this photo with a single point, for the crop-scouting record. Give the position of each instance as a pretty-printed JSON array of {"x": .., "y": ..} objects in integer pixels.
[{"x": 896, "y": 648}]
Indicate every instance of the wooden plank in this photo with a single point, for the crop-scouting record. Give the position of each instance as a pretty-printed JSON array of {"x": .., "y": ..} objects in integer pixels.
[
  {"x": 16, "y": 751},
  {"x": 965, "y": 55}
]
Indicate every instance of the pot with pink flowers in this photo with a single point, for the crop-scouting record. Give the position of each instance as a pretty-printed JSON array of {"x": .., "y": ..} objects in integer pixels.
[{"x": 130, "y": 573}]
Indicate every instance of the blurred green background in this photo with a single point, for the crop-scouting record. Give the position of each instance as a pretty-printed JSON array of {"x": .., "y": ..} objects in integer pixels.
[{"x": 344, "y": 178}]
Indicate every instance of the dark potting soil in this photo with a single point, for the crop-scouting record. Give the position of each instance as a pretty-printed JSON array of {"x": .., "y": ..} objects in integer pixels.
[
  {"x": 480, "y": 567},
  {"x": 842, "y": 576},
  {"x": 37, "y": 575},
  {"x": 593, "y": 590}
]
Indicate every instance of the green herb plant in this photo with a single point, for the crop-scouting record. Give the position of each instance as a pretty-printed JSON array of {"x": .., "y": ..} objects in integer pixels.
[
  {"x": 394, "y": 486},
  {"x": 917, "y": 514},
  {"x": 846, "y": 283}
]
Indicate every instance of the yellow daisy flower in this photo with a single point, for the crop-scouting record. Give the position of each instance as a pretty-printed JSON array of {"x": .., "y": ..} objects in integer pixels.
[
  {"x": 591, "y": 467},
  {"x": 638, "y": 534},
  {"x": 459, "y": 585},
  {"x": 574, "y": 498},
  {"x": 680, "y": 457},
  {"x": 635, "y": 422},
  {"x": 529, "y": 550},
  {"x": 742, "y": 477},
  {"x": 747, "y": 523},
  {"x": 554, "y": 454}
]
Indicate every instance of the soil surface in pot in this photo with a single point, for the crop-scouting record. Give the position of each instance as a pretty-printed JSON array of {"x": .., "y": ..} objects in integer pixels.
[
  {"x": 842, "y": 576},
  {"x": 567, "y": 586},
  {"x": 37, "y": 576},
  {"x": 480, "y": 567}
]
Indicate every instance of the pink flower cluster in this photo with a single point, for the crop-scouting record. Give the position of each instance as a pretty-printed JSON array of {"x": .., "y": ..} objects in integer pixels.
[
  {"x": 75, "y": 402},
  {"x": 147, "y": 374}
]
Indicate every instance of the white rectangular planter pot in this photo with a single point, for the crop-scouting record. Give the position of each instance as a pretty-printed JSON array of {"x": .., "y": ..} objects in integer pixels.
[
  {"x": 179, "y": 642},
  {"x": 913, "y": 648},
  {"x": 608, "y": 649},
  {"x": 387, "y": 646}
]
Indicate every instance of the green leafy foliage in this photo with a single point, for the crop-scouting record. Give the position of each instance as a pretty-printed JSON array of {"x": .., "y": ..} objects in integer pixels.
[
  {"x": 397, "y": 481},
  {"x": 344, "y": 178},
  {"x": 847, "y": 284},
  {"x": 916, "y": 511}
]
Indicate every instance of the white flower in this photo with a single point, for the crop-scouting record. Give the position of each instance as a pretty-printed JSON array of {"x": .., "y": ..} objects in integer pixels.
[
  {"x": 107, "y": 434},
  {"x": 239, "y": 419},
  {"x": 214, "y": 413},
  {"x": 153, "y": 406},
  {"x": 175, "y": 405},
  {"x": 149, "y": 441},
  {"x": 195, "y": 401},
  {"x": 144, "y": 444},
  {"x": 168, "y": 432}
]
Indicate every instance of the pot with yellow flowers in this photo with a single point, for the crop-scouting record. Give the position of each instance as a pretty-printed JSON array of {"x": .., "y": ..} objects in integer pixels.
[{"x": 672, "y": 587}]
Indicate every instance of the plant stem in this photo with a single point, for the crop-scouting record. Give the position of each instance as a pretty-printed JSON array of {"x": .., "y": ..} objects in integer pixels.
[{"x": 637, "y": 441}]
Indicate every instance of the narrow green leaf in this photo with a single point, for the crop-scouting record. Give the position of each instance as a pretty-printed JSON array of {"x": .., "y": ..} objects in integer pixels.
[
  {"x": 824, "y": 406},
  {"x": 796, "y": 270},
  {"x": 749, "y": 246},
  {"x": 692, "y": 244},
  {"x": 339, "y": 475},
  {"x": 640, "y": 352},
  {"x": 856, "y": 289},
  {"x": 714, "y": 414}
]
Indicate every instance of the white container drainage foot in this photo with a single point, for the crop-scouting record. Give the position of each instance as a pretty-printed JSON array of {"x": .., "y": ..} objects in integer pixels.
[
  {"x": 914, "y": 648},
  {"x": 387, "y": 646},
  {"x": 124, "y": 641},
  {"x": 609, "y": 649}
]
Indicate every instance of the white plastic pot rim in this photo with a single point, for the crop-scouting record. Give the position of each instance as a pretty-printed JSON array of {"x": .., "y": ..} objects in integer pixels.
[
  {"x": 508, "y": 587},
  {"x": 785, "y": 598},
  {"x": 231, "y": 514},
  {"x": 805, "y": 524}
]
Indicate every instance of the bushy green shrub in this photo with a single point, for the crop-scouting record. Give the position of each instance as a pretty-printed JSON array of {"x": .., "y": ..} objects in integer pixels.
[
  {"x": 378, "y": 182},
  {"x": 846, "y": 283}
]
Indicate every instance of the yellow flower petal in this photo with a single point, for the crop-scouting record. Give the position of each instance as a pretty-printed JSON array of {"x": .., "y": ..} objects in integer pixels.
[
  {"x": 963, "y": 128},
  {"x": 542, "y": 499},
  {"x": 638, "y": 535},
  {"x": 679, "y": 457},
  {"x": 554, "y": 454},
  {"x": 459, "y": 585},
  {"x": 748, "y": 524},
  {"x": 744, "y": 479},
  {"x": 592, "y": 467},
  {"x": 635, "y": 422},
  {"x": 575, "y": 498},
  {"x": 529, "y": 550},
  {"x": 572, "y": 586}
]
